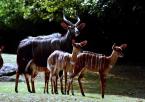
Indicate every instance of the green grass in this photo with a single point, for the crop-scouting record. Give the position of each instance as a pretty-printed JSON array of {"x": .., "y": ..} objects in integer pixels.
[
  {"x": 120, "y": 88},
  {"x": 9, "y": 58}
]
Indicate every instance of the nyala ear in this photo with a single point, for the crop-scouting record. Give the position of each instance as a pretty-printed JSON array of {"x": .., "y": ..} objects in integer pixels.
[
  {"x": 64, "y": 25},
  {"x": 83, "y": 43},
  {"x": 81, "y": 26},
  {"x": 123, "y": 46},
  {"x": 113, "y": 46}
]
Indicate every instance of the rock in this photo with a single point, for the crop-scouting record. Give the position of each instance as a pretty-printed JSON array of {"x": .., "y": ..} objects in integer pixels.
[
  {"x": 9, "y": 79},
  {"x": 8, "y": 70}
]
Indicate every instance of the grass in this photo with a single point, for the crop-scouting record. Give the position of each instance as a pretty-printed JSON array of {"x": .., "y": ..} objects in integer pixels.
[
  {"x": 122, "y": 86},
  {"x": 9, "y": 58}
]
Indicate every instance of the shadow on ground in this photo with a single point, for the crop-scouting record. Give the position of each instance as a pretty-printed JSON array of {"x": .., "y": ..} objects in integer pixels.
[{"x": 124, "y": 80}]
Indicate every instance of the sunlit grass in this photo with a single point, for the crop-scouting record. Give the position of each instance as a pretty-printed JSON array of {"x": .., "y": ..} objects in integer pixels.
[
  {"x": 9, "y": 58},
  {"x": 118, "y": 89}
]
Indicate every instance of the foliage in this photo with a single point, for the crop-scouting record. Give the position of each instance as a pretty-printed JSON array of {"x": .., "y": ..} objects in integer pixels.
[
  {"x": 122, "y": 11},
  {"x": 53, "y": 9},
  {"x": 11, "y": 11}
]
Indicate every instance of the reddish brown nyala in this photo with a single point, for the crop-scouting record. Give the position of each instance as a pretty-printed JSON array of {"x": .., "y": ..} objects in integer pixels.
[
  {"x": 34, "y": 70},
  {"x": 62, "y": 61},
  {"x": 96, "y": 63}
]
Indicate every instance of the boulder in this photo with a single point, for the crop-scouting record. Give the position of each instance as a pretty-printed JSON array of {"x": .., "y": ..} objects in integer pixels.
[{"x": 8, "y": 70}]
